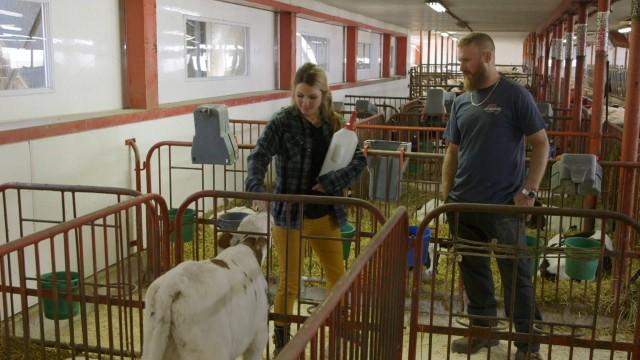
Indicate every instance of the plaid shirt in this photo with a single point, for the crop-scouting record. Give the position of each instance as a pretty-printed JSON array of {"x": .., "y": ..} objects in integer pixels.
[{"x": 288, "y": 137}]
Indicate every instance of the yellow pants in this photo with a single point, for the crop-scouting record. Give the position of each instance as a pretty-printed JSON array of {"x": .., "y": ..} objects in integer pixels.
[{"x": 287, "y": 242}]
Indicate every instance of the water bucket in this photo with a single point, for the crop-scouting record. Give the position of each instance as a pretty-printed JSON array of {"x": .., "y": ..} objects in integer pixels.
[
  {"x": 51, "y": 311},
  {"x": 187, "y": 224},
  {"x": 582, "y": 258},
  {"x": 347, "y": 232},
  {"x": 231, "y": 220},
  {"x": 425, "y": 247},
  {"x": 531, "y": 245}
]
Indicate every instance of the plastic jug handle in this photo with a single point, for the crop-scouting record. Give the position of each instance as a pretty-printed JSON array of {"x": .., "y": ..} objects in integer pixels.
[{"x": 351, "y": 125}]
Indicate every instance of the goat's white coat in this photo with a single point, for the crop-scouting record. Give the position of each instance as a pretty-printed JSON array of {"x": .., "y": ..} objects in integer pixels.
[{"x": 200, "y": 310}]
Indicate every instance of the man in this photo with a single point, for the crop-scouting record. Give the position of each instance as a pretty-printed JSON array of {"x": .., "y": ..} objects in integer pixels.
[{"x": 484, "y": 163}]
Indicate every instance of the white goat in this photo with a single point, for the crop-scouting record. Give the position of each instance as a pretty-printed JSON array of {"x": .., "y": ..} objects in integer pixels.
[{"x": 213, "y": 308}]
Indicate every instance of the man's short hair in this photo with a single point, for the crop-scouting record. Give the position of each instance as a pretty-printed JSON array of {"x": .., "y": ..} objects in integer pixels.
[{"x": 481, "y": 40}]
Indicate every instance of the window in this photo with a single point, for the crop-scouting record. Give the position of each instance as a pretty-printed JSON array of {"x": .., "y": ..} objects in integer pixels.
[
  {"x": 24, "y": 46},
  {"x": 315, "y": 50},
  {"x": 364, "y": 56},
  {"x": 216, "y": 49}
]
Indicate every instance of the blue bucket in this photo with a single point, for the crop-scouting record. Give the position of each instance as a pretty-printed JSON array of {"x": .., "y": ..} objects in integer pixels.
[{"x": 425, "y": 246}]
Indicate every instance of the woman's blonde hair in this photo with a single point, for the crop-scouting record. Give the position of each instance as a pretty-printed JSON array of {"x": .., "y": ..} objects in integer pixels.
[{"x": 312, "y": 75}]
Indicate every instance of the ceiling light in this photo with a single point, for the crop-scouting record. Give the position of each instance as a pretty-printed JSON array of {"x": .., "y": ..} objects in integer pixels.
[
  {"x": 436, "y": 6},
  {"x": 10, "y": 27},
  {"x": 625, "y": 30},
  {"x": 10, "y": 13},
  {"x": 444, "y": 34}
]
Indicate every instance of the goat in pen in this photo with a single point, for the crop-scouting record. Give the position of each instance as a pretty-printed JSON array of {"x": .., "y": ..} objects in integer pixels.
[{"x": 212, "y": 309}]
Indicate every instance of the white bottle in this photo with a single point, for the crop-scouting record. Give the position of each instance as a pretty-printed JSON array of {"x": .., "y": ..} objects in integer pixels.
[{"x": 342, "y": 147}]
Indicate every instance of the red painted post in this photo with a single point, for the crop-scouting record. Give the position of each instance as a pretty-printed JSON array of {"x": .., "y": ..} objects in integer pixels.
[
  {"x": 599, "y": 78},
  {"x": 352, "y": 53},
  {"x": 287, "y": 26},
  {"x": 540, "y": 68},
  {"x": 545, "y": 65},
  {"x": 556, "y": 53},
  {"x": 568, "y": 58},
  {"x": 597, "y": 107},
  {"x": 629, "y": 152},
  {"x": 581, "y": 50},
  {"x": 386, "y": 55},
  {"x": 141, "y": 54},
  {"x": 401, "y": 57}
]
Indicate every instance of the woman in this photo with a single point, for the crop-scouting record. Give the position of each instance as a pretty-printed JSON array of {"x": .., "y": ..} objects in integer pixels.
[{"x": 299, "y": 136}]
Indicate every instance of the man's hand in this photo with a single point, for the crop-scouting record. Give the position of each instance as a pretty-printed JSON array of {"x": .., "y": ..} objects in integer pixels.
[{"x": 522, "y": 200}]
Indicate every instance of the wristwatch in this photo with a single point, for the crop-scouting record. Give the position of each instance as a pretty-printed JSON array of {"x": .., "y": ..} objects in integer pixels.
[{"x": 531, "y": 194}]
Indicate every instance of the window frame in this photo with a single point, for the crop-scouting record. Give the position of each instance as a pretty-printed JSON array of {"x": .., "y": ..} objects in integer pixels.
[
  {"x": 47, "y": 46},
  {"x": 364, "y": 47},
  {"x": 247, "y": 37},
  {"x": 328, "y": 49}
]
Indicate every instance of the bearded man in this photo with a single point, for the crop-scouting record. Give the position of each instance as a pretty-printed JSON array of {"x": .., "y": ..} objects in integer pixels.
[{"x": 485, "y": 163}]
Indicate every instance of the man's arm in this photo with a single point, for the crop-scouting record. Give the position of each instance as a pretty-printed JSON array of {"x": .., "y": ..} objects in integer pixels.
[
  {"x": 537, "y": 165},
  {"x": 449, "y": 168}
]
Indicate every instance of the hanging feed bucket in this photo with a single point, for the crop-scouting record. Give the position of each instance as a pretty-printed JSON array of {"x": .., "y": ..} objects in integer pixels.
[
  {"x": 51, "y": 311},
  {"x": 230, "y": 221},
  {"x": 187, "y": 224},
  {"x": 582, "y": 258},
  {"x": 347, "y": 231}
]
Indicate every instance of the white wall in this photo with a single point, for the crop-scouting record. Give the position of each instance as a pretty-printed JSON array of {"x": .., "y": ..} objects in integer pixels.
[
  {"x": 86, "y": 63},
  {"x": 335, "y": 34},
  {"x": 173, "y": 85},
  {"x": 508, "y": 47},
  {"x": 376, "y": 55}
]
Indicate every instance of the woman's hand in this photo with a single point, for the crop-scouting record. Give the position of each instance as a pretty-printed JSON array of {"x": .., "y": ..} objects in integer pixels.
[
  {"x": 318, "y": 187},
  {"x": 260, "y": 205}
]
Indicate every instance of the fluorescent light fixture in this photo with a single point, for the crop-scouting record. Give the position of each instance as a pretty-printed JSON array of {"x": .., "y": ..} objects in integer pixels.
[
  {"x": 436, "y": 6},
  {"x": 10, "y": 27},
  {"x": 625, "y": 30},
  {"x": 10, "y": 13}
]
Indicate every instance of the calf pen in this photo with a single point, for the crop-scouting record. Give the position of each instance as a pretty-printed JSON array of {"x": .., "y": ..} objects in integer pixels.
[
  {"x": 593, "y": 319},
  {"x": 75, "y": 288}
]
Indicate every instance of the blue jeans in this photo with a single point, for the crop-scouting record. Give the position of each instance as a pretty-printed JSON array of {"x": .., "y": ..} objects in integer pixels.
[{"x": 476, "y": 271}]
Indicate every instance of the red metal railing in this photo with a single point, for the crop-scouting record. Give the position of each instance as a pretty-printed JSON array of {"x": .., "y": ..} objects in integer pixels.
[
  {"x": 78, "y": 286},
  {"x": 363, "y": 316},
  {"x": 589, "y": 323},
  {"x": 64, "y": 202}
]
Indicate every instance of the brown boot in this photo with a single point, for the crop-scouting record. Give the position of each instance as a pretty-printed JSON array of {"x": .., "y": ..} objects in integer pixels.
[{"x": 281, "y": 335}]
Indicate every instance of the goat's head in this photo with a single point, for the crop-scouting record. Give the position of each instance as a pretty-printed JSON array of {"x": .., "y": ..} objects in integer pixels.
[
  {"x": 258, "y": 244},
  {"x": 254, "y": 225}
]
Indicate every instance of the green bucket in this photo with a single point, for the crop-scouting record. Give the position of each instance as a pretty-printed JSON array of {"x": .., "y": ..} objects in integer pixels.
[
  {"x": 187, "y": 224},
  {"x": 531, "y": 245},
  {"x": 582, "y": 258},
  {"x": 347, "y": 231},
  {"x": 51, "y": 311}
]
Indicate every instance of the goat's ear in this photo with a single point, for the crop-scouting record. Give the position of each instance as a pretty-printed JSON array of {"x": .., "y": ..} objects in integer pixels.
[
  {"x": 258, "y": 244},
  {"x": 224, "y": 240}
]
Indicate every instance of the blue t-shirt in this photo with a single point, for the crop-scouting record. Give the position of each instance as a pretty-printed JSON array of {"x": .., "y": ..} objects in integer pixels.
[{"x": 490, "y": 136}]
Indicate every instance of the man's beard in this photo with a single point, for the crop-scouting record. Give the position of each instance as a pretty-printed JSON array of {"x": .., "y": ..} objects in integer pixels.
[{"x": 474, "y": 81}]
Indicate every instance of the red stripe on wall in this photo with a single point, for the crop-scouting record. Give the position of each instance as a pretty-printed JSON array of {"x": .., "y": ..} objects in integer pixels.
[{"x": 125, "y": 117}]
